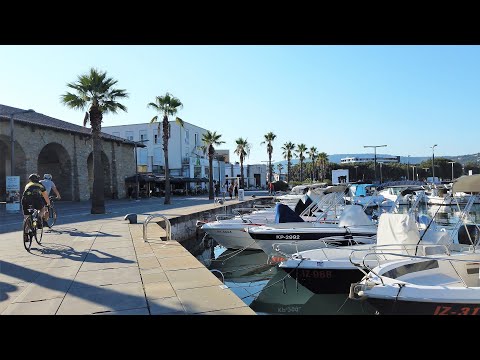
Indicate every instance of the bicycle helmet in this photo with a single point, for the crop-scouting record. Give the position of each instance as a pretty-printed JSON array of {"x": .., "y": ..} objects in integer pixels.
[
  {"x": 47, "y": 176},
  {"x": 34, "y": 178}
]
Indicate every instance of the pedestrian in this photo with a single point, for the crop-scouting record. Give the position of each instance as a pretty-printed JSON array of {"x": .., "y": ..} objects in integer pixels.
[
  {"x": 130, "y": 191},
  {"x": 271, "y": 189},
  {"x": 235, "y": 189},
  {"x": 224, "y": 190},
  {"x": 230, "y": 190}
]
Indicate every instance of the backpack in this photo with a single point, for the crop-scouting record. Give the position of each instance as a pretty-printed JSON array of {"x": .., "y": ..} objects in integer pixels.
[{"x": 32, "y": 191}]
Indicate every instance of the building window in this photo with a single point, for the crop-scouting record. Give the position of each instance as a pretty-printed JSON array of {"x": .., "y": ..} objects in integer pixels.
[
  {"x": 196, "y": 139},
  {"x": 129, "y": 135},
  {"x": 187, "y": 136},
  {"x": 197, "y": 171},
  {"x": 143, "y": 135},
  {"x": 157, "y": 156}
]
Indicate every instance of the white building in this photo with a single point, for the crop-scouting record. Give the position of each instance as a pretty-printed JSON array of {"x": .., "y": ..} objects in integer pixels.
[
  {"x": 257, "y": 176},
  {"x": 278, "y": 177},
  {"x": 185, "y": 157},
  {"x": 340, "y": 176},
  {"x": 385, "y": 159}
]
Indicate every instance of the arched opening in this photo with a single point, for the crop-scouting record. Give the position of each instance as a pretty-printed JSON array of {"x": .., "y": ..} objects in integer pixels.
[
  {"x": 5, "y": 161},
  {"x": 106, "y": 175},
  {"x": 54, "y": 159}
]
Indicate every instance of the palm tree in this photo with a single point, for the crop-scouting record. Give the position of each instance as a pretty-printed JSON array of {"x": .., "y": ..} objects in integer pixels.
[
  {"x": 242, "y": 150},
  {"x": 312, "y": 153},
  {"x": 209, "y": 139},
  {"x": 323, "y": 160},
  {"x": 287, "y": 154},
  {"x": 96, "y": 92},
  {"x": 269, "y": 137},
  {"x": 166, "y": 105},
  {"x": 279, "y": 168},
  {"x": 301, "y": 148}
]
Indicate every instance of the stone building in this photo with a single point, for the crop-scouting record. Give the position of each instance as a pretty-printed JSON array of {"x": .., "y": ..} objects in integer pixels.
[{"x": 43, "y": 144}]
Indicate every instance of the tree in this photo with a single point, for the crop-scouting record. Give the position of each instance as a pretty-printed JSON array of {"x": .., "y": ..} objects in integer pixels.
[
  {"x": 287, "y": 154},
  {"x": 323, "y": 160},
  {"x": 301, "y": 149},
  {"x": 312, "y": 153},
  {"x": 242, "y": 150},
  {"x": 167, "y": 105},
  {"x": 210, "y": 139},
  {"x": 96, "y": 92},
  {"x": 279, "y": 168},
  {"x": 269, "y": 138}
]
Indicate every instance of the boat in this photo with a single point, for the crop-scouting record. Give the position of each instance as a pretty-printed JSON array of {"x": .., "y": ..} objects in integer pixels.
[
  {"x": 231, "y": 233},
  {"x": 353, "y": 226},
  {"x": 331, "y": 269},
  {"x": 444, "y": 284}
]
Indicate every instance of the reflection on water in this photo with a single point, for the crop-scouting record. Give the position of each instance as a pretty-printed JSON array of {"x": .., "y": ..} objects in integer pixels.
[{"x": 270, "y": 290}]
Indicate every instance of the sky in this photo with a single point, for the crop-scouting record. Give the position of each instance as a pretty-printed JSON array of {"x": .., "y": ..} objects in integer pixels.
[{"x": 336, "y": 98}]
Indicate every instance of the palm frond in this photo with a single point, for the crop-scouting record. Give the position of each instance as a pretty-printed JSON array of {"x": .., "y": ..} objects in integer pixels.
[
  {"x": 95, "y": 89},
  {"x": 154, "y": 119},
  {"x": 179, "y": 121},
  {"x": 86, "y": 118}
]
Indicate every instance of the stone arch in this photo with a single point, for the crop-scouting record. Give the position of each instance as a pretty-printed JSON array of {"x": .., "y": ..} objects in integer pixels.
[
  {"x": 106, "y": 175},
  {"x": 54, "y": 159},
  {"x": 5, "y": 158}
]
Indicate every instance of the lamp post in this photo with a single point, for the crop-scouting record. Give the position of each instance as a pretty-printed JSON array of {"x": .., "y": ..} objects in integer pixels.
[
  {"x": 408, "y": 165},
  {"x": 218, "y": 156},
  {"x": 375, "y": 156},
  {"x": 381, "y": 176},
  {"x": 12, "y": 139},
  {"x": 356, "y": 172},
  {"x": 413, "y": 173},
  {"x": 452, "y": 162},
  {"x": 136, "y": 168},
  {"x": 433, "y": 162}
]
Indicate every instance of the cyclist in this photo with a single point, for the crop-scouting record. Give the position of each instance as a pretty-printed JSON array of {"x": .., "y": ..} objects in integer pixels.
[
  {"x": 49, "y": 186},
  {"x": 35, "y": 195}
]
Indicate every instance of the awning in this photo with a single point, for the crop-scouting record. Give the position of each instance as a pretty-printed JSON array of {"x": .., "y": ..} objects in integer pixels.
[
  {"x": 144, "y": 178},
  {"x": 467, "y": 184}
]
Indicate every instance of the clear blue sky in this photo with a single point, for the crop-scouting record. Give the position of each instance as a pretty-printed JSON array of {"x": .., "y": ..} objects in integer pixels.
[{"x": 336, "y": 98}]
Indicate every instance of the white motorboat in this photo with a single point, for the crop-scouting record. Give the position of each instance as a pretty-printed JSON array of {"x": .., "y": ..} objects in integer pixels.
[
  {"x": 231, "y": 233},
  {"x": 353, "y": 226},
  {"x": 445, "y": 284},
  {"x": 331, "y": 270}
]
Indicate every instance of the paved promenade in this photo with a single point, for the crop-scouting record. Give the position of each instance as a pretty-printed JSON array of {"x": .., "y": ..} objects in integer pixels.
[{"x": 101, "y": 265}]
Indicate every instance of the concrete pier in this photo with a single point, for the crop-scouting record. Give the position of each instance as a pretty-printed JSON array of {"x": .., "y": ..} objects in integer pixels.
[{"x": 103, "y": 266}]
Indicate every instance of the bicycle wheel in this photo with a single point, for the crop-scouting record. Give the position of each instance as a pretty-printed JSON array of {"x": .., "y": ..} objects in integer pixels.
[
  {"x": 52, "y": 216},
  {"x": 27, "y": 233},
  {"x": 38, "y": 233}
]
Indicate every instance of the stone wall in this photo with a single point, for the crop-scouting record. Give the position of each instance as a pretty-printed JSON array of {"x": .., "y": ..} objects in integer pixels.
[{"x": 65, "y": 155}]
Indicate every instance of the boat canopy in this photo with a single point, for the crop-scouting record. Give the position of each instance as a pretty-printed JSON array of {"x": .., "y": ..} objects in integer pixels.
[
  {"x": 353, "y": 215},
  {"x": 467, "y": 184},
  {"x": 398, "y": 229}
]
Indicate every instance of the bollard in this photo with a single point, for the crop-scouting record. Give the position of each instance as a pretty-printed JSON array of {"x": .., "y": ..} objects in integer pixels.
[{"x": 132, "y": 218}]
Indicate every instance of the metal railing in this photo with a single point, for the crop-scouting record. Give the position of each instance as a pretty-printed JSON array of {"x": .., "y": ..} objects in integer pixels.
[{"x": 168, "y": 226}]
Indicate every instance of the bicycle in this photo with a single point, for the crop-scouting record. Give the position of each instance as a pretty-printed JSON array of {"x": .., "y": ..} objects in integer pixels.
[
  {"x": 52, "y": 213},
  {"x": 31, "y": 229}
]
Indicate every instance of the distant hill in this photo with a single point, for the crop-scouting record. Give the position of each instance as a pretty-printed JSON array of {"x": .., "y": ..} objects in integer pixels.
[{"x": 335, "y": 158}]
